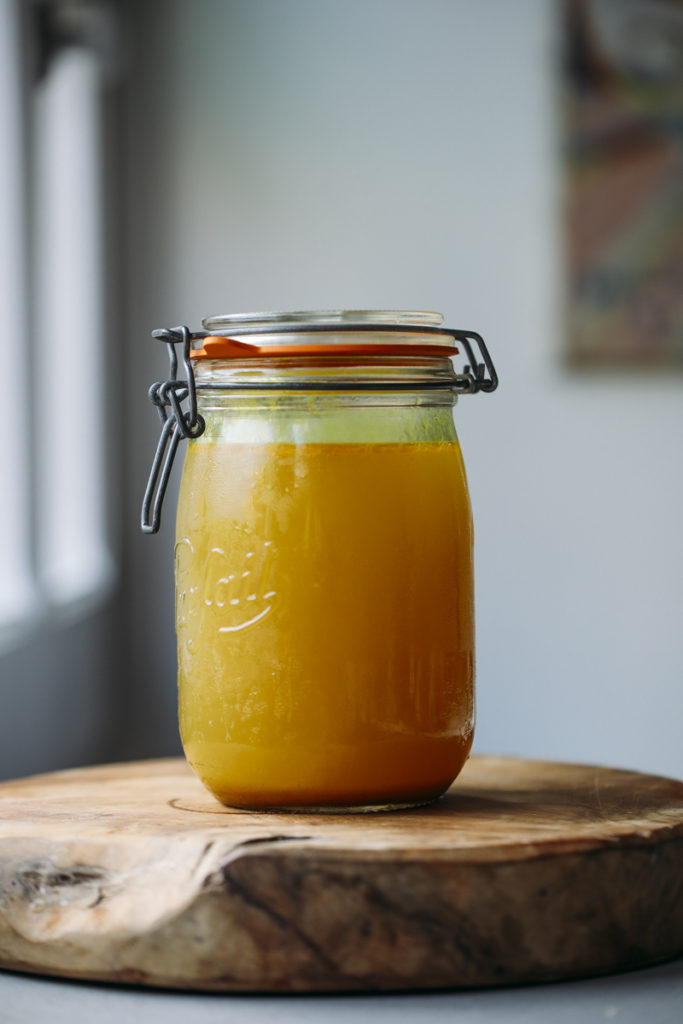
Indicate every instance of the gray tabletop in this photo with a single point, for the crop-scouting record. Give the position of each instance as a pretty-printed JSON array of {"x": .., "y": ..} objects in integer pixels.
[{"x": 653, "y": 996}]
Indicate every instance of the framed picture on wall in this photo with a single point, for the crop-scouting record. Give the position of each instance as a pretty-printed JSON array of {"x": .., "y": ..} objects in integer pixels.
[{"x": 623, "y": 154}]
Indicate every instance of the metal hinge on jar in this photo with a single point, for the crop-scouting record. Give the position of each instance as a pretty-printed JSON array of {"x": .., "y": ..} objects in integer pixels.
[{"x": 176, "y": 422}]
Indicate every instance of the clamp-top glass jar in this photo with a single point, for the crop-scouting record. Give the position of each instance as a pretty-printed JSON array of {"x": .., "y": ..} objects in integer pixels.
[{"x": 324, "y": 584}]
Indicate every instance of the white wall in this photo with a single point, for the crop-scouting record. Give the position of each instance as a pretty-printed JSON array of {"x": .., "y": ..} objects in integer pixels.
[{"x": 287, "y": 154}]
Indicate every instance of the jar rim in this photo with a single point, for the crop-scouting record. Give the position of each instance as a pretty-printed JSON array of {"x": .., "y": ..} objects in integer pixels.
[{"x": 364, "y": 319}]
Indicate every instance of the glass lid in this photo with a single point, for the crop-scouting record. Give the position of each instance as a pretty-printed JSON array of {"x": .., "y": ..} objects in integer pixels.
[{"x": 365, "y": 319}]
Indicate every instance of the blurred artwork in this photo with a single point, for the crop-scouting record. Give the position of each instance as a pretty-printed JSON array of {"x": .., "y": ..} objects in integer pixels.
[{"x": 624, "y": 203}]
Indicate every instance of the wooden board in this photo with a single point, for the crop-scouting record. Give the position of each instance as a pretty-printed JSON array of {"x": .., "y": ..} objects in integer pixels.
[{"x": 525, "y": 871}]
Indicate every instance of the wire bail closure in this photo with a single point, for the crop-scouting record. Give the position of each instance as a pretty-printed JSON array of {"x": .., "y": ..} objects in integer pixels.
[
  {"x": 478, "y": 374},
  {"x": 481, "y": 376},
  {"x": 176, "y": 423}
]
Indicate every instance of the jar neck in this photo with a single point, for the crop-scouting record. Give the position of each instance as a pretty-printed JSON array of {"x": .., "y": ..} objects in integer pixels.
[
  {"x": 327, "y": 400},
  {"x": 332, "y": 374}
]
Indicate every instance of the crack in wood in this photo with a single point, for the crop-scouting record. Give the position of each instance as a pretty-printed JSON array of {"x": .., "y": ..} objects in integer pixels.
[{"x": 37, "y": 878}]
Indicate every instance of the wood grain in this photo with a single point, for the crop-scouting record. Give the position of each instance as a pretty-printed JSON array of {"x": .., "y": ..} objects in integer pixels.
[{"x": 524, "y": 871}]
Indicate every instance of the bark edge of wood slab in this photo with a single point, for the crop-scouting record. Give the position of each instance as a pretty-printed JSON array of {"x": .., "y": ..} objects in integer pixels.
[{"x": 526, "y": 871}]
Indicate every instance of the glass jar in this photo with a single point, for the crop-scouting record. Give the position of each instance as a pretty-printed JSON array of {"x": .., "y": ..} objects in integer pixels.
[{"x": 324, "y": 578}]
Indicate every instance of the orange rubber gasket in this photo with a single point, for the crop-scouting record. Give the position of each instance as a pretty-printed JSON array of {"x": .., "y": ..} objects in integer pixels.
[{"x": 218, "y": 347}]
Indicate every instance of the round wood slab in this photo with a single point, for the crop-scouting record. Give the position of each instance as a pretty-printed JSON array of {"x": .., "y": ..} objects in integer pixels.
[{"x": 525, "y": 871}]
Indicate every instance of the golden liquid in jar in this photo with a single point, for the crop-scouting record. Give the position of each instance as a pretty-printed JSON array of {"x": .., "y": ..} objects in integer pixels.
[{"x": 324, "y": 613}]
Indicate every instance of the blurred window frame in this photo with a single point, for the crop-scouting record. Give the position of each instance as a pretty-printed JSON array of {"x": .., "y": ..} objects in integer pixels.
[{"x": 56, "y": 543}]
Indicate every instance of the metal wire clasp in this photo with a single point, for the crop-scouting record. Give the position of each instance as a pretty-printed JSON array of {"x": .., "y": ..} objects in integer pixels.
[
  {"x": 176, "y": 423},
  {"x": 480, "y": 376}
]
